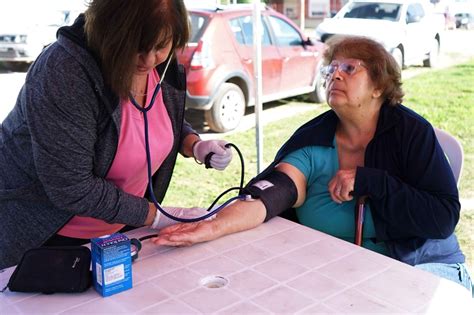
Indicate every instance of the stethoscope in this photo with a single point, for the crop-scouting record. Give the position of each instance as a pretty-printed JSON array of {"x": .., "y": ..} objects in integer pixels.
[{"x": 210, "y": 210}]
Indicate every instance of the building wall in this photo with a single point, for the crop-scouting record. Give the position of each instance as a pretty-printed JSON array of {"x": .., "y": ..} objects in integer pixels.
[
  {"x": 277, "y": 5},
  {"x": 315, "y": 10}
]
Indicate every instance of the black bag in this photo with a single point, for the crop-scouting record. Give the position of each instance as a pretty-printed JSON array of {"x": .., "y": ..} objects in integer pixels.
[{"x": 53, "y": 269}]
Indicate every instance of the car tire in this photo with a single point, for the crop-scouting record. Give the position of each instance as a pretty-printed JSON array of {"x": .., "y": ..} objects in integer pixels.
[
  {"x": 319, "y": 93},
  {"x": 227, "y": 110},
  {"x": 398, "y": 56},
  {"x": 432, "y": 60}
]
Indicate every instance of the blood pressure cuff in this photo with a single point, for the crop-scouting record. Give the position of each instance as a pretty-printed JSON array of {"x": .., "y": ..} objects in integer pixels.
[
  {"x": 53, "y": 269},
  {"x": 276, "y": 190}
]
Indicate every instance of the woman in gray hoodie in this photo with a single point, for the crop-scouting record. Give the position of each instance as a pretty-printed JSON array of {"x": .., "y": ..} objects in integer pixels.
[{"x": 72, "y": 151}]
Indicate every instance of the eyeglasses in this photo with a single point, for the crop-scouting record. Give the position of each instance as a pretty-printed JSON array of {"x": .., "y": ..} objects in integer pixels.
[{"x": 348, "y": 67}]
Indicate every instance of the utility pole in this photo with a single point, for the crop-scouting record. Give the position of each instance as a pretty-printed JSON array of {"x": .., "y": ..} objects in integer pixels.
[
  {"x": 302, "y": 14},
  {"x": 257, "y": 67}
]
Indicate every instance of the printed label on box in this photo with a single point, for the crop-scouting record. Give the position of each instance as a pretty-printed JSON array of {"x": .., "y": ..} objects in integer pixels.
[
  {"x": 111, "y": 264},
  {"x": 114, "y": 274}
]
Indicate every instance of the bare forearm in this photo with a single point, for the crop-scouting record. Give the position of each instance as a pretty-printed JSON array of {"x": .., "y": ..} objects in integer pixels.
[{"x": 239, "y": 216}]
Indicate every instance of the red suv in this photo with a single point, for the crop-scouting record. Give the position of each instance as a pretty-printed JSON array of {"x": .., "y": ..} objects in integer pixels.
[{"x": 219, "y": 63}]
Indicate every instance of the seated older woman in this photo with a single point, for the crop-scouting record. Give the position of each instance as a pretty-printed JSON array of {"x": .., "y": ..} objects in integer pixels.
[{"x": 367, "y": 144}]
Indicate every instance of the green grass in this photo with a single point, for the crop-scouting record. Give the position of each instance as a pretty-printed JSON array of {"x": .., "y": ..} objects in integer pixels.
[{"x": 445, "y": 97}]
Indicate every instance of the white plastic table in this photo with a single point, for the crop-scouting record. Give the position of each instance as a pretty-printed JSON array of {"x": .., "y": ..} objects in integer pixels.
[{"x": 280, "y": 267}]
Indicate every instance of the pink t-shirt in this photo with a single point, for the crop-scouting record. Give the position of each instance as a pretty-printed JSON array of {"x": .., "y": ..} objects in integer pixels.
[{"x": 129, "y": 167}]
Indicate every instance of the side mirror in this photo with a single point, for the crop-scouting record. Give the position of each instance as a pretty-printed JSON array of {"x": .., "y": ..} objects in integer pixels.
[
  {"x": 307, "y": 42},
  {"x": 413, "y": 18}
]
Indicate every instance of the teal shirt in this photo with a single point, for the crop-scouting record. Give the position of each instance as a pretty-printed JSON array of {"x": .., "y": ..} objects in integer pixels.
[{"x": 319, "y": 164}]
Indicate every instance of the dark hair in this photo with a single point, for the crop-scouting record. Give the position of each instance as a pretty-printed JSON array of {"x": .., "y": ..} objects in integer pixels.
[
  {"x": 382, "y": 68},
  {"x": 117, "y": 30}
]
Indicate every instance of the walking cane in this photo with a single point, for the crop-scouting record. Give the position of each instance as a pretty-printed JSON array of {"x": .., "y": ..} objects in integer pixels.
[{"x": 359, "y": 220}]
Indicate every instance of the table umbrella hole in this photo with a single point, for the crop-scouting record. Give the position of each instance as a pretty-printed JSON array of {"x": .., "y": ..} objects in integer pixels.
[{"x": 214, "y": 282}]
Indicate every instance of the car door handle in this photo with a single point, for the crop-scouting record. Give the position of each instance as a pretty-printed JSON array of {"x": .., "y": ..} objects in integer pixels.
[{"x": 247, "y": 60}]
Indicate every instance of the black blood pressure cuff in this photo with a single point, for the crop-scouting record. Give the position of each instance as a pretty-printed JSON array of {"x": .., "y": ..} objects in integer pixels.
[{"x": 276, "y": 190}]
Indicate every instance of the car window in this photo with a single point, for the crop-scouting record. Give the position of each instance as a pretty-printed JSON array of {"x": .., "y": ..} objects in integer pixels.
[
  {"x": 419, "y": 10},
  {"x": 236, "y": 28},
  {"x": 197, "y": 23},
  {"x": 285, "y": 34},
  {"x": 243, "y": 31},
  {"x": 375, "y": 11},
  {"x": 411, "y": 12},
  {"x": 415, "y": 12}
]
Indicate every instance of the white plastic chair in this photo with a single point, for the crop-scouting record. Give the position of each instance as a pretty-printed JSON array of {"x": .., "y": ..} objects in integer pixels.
[{"x": 453, "y": 150}]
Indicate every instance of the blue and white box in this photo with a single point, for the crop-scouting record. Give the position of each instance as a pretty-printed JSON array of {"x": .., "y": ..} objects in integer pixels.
[{"x": 111, "y": 264}]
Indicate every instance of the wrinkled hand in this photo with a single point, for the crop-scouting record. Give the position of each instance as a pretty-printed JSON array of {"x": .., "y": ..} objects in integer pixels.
[
  {"x": 186, "y": 234},
  {"x": 162, "y": 220},
  {"x": 341, "y": 185},
  {"x": 221, "y": 157}
]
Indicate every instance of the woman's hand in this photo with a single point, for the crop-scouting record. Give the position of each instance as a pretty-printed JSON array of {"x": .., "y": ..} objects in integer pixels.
[
  {"x": 186, "y": 234},
  {"x": 235, "y": 217},
  {"x": 341, "y": 185},
  {"x": 221, "y": 156}
]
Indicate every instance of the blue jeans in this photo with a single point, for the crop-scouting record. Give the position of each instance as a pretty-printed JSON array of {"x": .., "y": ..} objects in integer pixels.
[{"x": 454, "y": 272}]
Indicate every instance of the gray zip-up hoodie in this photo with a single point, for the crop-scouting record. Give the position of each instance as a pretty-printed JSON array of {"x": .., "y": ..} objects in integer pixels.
[{"x": 59, "y": 141}]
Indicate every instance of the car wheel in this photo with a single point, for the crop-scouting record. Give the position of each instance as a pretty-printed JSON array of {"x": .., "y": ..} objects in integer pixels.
[
  {"x": 319, "y": 93},
  {"x": 432, "y": 60},
  {"x": 398, "y": 56},
  {"x": 227, "y": 109}
]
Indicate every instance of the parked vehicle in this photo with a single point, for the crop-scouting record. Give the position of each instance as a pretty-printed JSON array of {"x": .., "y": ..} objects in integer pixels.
[
  {"x": 464, "y": 13},
  {"x": 409, "y": 29},
  {"x": 464, "y": 20},
  {"x": 461, "y": 12},
  {"x": 219, "y": 62},
  {"x": 25, "y": 33}
]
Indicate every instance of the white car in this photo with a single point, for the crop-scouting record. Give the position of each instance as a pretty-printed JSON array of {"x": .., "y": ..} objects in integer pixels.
[
  {"x": 408, "y": 29},
  {"x": 24, "y": 33}
]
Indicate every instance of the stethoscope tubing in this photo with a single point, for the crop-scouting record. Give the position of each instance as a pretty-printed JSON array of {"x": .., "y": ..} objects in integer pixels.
[{"x": 145, "y": 110}]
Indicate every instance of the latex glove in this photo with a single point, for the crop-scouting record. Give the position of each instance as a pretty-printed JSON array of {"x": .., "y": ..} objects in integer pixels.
[
  {"x": 221, "y": 157},
  {"x": 162, "y": 220}
]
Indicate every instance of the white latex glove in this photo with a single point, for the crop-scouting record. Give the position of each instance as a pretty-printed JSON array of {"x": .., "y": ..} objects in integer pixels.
[
  {"x": 162, "y": 221},
  {"x": 221, "y": 157}
]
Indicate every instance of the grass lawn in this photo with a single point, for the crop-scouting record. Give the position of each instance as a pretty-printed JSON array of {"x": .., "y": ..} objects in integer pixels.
[{"x": 445, "y": 97}]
